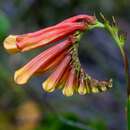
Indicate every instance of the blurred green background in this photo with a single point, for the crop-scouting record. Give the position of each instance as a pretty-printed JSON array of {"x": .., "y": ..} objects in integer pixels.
[{"x": 29, "y": 107}]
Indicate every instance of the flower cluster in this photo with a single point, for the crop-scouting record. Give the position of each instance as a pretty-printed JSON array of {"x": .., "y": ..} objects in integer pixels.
[{"x": 61, "y": 59}]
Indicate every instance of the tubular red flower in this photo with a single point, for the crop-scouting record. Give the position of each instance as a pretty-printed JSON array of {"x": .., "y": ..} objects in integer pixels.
[
  {"x": 25, "y": 42},
  {"x": 50, "y": 84},
  {"x": 52, "y": 35},
  {"x": 69, "y": 88},
  {"x": 22, "y": 75}
]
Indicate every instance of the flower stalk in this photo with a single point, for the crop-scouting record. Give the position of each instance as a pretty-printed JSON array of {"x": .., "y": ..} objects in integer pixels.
[{"x": 120, "y": 40}]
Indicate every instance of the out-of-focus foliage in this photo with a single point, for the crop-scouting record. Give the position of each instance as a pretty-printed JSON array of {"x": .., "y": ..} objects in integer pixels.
[
  {"x": 98, "y": 55},
  {"x": 4, "y": 24}
]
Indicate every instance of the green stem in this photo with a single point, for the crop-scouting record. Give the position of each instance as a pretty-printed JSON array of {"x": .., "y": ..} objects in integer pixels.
[
  {"x": 120, "y": 41},
  {"x": 126, "y": 67},
  {"x": 128, "y": 113}
]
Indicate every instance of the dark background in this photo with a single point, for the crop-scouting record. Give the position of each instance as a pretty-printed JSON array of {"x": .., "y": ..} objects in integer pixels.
[{"x": 29, "y": 107}]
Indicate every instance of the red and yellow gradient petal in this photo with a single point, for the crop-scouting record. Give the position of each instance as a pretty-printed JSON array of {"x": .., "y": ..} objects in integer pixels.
[
  {"x": 42, "y": 60},
  {"x": 25, "y": 42},
  {"x": 52, "y": 64},
  {"x": 69, "y": 87},
  {"x": 52, "y": 82}
]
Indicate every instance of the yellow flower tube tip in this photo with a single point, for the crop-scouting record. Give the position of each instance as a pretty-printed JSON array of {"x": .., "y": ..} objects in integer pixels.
[
  {"x": 68, "y": 91},
  {"x": 10, "y": 44},
  {"x": 82, "y": 90},
  {"x": 95, "y": 89},
  {"x": 21, "y": 77},
  {"x": 48, "y": 85}
]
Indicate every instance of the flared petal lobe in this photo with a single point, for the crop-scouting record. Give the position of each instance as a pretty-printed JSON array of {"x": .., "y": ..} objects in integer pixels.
[
  {"x": 42, "y": 60},
  {"x": 50, "y": 84}
]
